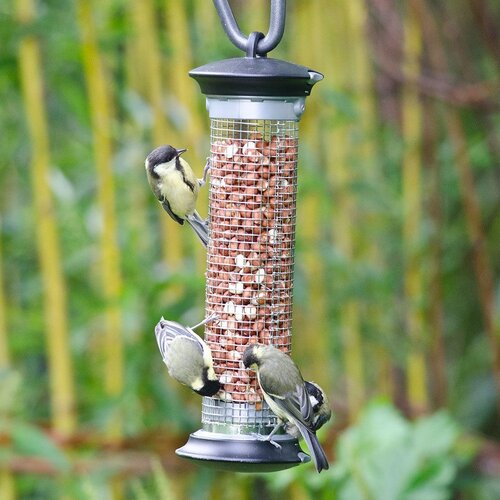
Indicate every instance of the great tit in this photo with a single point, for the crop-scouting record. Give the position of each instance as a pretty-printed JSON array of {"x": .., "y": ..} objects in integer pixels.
[
  {"x": 176, "y": 187},
  {"x": 321, "y": 409},
  {"x": 187, "y": 356},
  {"x": 286, "y": 394}
]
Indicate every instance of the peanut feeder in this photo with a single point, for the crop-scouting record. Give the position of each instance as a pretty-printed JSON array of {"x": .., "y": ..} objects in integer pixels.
[{"x": 255, "y": 105}]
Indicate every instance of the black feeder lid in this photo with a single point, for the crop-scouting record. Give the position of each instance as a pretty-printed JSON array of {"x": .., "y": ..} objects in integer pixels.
[{"x": 255, "y": 76}]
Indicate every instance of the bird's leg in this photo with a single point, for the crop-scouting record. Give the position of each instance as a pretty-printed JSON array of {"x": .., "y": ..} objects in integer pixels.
[
  {"x": 203, "y": 181},
  {"x": 209, "y": 319},
  {"x": 260, "y": 437}
]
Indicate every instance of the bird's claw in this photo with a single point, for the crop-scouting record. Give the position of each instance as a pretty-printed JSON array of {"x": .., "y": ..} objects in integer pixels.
[
  {"x": 260, "y": 437},
  {"x": 203, "y": 180},
  {"x": 213, "y": 317}
]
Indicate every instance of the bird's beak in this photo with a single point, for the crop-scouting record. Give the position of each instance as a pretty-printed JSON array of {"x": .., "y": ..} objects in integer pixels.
[{"x": 180, "y": 151}]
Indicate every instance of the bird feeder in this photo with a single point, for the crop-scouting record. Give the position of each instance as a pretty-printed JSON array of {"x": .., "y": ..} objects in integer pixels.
[{"x": 254, "y": 104}]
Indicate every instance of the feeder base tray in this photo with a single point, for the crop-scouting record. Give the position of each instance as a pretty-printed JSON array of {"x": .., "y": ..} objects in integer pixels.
[{"x": 242, "y": 453}]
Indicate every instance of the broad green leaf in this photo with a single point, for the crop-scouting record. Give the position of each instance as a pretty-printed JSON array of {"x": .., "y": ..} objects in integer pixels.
[{"x": 30, "y": 440}]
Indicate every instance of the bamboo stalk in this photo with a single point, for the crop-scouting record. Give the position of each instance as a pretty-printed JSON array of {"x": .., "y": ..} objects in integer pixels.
[
  {"x": 412, "y": 219},
  {"x": 207, "y": 25},
  {"x": 185, "y": 91},
  {"x": 361, "y": 76},
  {"x": 182, "y": 86},
  {"x": 102, "y": 123},
  {"x": 139, "y": 83},
  {"x": 61, "y": 371},
  {"x": 149, "y": 64},
  {"x": 481, "y": 260},
  {"x": 7, "y": 483},
  {"x": 313, "y": 346},
  {"x": 255, "y": 16},
  {"x": 437, "y": 366},
  {"x": 138, "y": 195},
  {"x": 4, "y": 341},
  {"x": 341, "y": 174}
]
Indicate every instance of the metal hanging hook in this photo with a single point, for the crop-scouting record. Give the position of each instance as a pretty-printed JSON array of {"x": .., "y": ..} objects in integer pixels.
[
  {"x": 252, "y": 42},
  {"x": 265, "y": 44}
]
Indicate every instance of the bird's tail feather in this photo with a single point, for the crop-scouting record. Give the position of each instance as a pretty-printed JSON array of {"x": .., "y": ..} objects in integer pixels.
[
  {"x": 165, "y": 332},
  {"x": 318, "y": 455},
  {"x": 168, "y": 329},
  {"x": 199, "y": 226}
]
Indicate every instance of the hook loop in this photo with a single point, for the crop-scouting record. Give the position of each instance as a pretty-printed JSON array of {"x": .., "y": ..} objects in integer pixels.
[
  {"x": 252, "y": 42},
  {"x": 265, "y": 44}
]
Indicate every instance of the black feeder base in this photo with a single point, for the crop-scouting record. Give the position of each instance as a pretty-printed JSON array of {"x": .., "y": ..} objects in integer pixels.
[{"x": 242, "y": 453}]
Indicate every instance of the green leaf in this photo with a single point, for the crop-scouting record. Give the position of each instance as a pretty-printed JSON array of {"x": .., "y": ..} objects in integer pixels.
[
  {"x": 435, "y": 435},
  {"x": 162, "y": 481},
  {"x": 387, "y": 457},
  {"x": 433, "y": 478},
  {"x": 29, "y": 440}
]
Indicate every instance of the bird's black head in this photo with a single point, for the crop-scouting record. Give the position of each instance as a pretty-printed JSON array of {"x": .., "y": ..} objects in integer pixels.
[
  {"x": 210, "y": 387},
  {"x": 250, "y": 356},
  {"x": 162, "y": 154}
]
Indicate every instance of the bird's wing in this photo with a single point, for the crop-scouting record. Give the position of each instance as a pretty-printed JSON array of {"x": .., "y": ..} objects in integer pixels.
[
  {"x": 166, "y": 331},
  {"x": 188, "y": 176},
  {"x": 296, "y": 403},
  {"x": 166, "y": 206}
]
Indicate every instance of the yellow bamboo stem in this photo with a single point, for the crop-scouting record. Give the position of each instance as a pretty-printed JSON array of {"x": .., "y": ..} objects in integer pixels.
[
  {"x": 313, "y": 345},
  {"x": 480, "y": 257},
  {"x": 412, "y": 210},
  {"x": 149, "y": 64},
  {"x": 182, "y": 87},
  {"x": 138, "y": 194},
  {"x": 184, "y": 90},
  {"x": 4, "y": 341},
  {"x": 341, "y": 174},
  {"x": 102, "y": 123},
  {"x": 255, "y": 17},
  {"x": 207, "y": 23},
  {"x": 437, "y": 362},
  {"x": 61, "y": 371},
  {"x": 362, "y": 84},
  {"x": 7, "y": 483}
]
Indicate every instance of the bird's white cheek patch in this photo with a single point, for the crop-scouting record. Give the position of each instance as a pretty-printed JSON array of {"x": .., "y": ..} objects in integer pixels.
[
  {"x": 164, "y": 168},
  {"x": 197, "y": 384}
]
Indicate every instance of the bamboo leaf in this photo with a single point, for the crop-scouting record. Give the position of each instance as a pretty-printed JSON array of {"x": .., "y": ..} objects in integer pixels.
[{"x": 162, "y": 481}]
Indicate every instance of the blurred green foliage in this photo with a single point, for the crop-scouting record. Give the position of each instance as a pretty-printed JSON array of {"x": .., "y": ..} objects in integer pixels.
[{"x": 386, "y": 457}]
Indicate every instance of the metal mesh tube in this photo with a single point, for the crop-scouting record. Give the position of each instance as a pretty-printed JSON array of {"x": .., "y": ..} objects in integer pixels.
[{"x": 250, "y": 259}]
